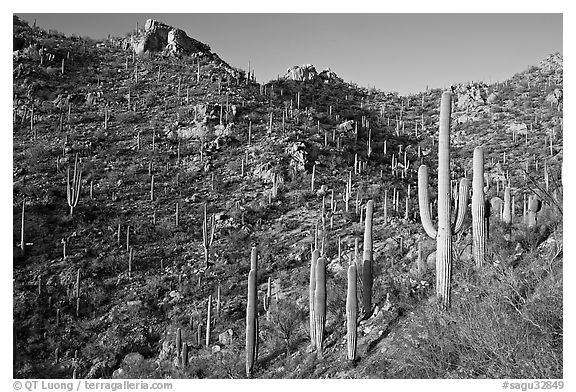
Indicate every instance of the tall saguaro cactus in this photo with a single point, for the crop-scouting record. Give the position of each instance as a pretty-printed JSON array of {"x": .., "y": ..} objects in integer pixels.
[
  {"x": 320, "y": 303},
  {"x": 478, "y": 208},
  {"x": 367, "y": 261},
  {"x": 251, "y": 319},
  {"x": 443, "y": 234},
  {"x": 351, "y": 313},
  {"x": 22, "y": 237},
  {"x": 312, "y": 288}
]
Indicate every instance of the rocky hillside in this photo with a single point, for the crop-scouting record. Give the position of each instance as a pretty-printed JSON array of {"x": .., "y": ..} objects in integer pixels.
[{"x": 142, "y": 182}]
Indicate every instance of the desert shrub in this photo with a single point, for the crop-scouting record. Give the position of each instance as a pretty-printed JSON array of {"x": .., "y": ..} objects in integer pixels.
[
  {"x": 285, "y": 324},
  {"x": 505, "y": 323}
]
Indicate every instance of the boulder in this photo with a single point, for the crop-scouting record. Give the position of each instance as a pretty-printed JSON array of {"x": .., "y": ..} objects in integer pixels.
[{"x": 226, "y": 337}]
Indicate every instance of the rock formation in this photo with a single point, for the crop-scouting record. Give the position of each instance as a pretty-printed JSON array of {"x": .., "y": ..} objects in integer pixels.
[
  {"x": 301, "y": 73},
  {"x": 159, "y": 37},
  {"x": 307, "y": 72}
]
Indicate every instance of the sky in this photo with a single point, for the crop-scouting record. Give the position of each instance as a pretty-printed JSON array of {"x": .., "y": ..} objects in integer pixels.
[{"x": 394, "y": 52}]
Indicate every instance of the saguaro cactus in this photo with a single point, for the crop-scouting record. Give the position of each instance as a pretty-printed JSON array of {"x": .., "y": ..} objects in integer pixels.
[
  {"x": 320, "y": 303},
  {"x": 507, "y": 215},
  {"x": 208, "y": 320},
  {"x": 351, "y": 313},
  {"x": 178, "y": 341},
  {"x": 207, "y": 237},
  {"x": 367, "y": 261},
  {"x": 312, "y": 288},
  {"x": 73, "y": 189},
  {"x": 22, "y": 237},
  {"x": 444, "y": 233},
  {"x": 478, "y": 208},
  {"x": 185, "y": 355},
  {"x": 251, "y": 324},
  {"x": 252, "y": 317}
]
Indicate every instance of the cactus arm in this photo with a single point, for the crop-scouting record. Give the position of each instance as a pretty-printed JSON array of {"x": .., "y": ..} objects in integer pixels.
[
  {"x": 462, "y": 205},
  {"x": 212, "y": 231},
  {"x": 424, "y": 202},
  {"x": 68, "y": 194}
]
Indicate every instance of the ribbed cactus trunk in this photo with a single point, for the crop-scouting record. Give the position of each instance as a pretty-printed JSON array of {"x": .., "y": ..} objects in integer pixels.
[
  {"x": 507, "y": 215},
  {"x": 351, "y": 313},
  {"x": 444, "y": 237},
  {"x": 312, "y": 288},
  {"x": 478, "y": 208},
  {"x": 367, "y": 261},
  {"x": 251, "y": 324},
  {"x": 320, "y": 304}
]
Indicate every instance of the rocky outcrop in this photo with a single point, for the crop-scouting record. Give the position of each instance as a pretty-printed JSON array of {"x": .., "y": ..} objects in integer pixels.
[
  {"x": 552, "y": 63},
  {"x": 159, "y": 37},
  {"x": 328, "y": 75},
  {"x": 301, "y": 73},
  {"x": 307, "y": 72}
]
